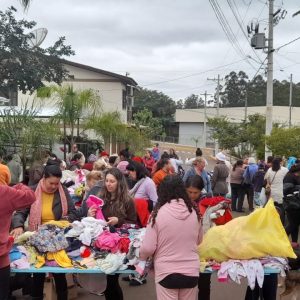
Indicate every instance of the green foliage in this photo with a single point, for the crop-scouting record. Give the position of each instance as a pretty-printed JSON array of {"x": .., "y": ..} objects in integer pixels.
[
  {"x": 22, "y": 132},
  {"x": 147, "y": 124},
  {"x": 284, "y": 141},
  {"x": 23, "y": 66},
  {"x": 240, "y": 138},
  {"x": 161, "y": 105},
  {"x": 72, "y": 105},
  {"x": 106, "y": 125},
  {"x": 193, "y": 101}
]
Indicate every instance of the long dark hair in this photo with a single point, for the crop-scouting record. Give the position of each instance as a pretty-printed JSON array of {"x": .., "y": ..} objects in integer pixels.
[
  {"x": 276, "y": 164},
  {"x": 195, "y": 182},
  {"x": 172, "y": 187},
  {"x": 141, "y": 171},
  {"x": 161, "y": 163},
  {"x": 239, "y": 163},
  {"x": 122, "y": 198}
]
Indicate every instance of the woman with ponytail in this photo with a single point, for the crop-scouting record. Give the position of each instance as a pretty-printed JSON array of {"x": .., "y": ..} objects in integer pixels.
[{"x": 172, "y": 236}]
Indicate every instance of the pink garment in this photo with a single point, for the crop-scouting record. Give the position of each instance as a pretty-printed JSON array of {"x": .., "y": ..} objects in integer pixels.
[
  {"x": 175, "y": 294},
  {"x": 108, "y": 241},
  {"x": 122, "y": 166},
  {"x": 173, "y": 241},
  {"x": 94, "y": 201}
]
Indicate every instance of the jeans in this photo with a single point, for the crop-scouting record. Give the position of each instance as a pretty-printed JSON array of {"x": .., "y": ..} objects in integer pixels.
[
  {"x": 113, "y": 290},
  {"x": 268, "y": 291},
  {"x": 236, "y": 195},
  {"x": 4, "y": 282},
  {"x": 60, "y": 285}
]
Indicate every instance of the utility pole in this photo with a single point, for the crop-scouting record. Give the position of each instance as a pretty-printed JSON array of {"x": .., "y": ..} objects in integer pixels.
[
  {"x": 246, "y": 105},
  {"x": 217, "y": 104},
  {"x": 291, "y": 101},
  {"x": 205, "y": 119},
  {"x": 269, "y": 102}
]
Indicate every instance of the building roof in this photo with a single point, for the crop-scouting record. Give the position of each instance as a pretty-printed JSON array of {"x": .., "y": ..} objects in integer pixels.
[
  {"x": 123, "y": 79},
  {"x": 237, "y": 114}
]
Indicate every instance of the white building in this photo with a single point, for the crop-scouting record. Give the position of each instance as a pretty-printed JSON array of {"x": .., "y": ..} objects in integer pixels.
[
  {"x": 115, "y": 90},
  {"x": 191, "y": 121}
]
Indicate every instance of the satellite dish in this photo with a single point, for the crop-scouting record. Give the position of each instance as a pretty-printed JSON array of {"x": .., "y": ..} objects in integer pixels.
[{"x": 36, "y": 37}]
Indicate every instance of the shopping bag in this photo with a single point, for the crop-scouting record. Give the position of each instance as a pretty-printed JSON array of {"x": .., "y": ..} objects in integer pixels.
[
  {"x": 257, "y": 235},
  {"x": 263, "y": 197}
]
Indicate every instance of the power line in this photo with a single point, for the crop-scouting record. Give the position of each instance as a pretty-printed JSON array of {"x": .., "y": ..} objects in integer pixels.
[{"x": 292, "y": 41}]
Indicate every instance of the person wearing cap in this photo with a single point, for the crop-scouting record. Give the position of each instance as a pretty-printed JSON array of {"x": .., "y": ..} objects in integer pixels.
[
  {"x": 219, "y": 179},
  {"x": 104, "y": 155}
]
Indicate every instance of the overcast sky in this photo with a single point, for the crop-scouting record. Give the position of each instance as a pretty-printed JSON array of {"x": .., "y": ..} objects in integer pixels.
[{"x": 160, "y": 41}]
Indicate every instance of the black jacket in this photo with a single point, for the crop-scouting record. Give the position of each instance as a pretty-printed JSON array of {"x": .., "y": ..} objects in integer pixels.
[
  {"x": 20, "y": 216},
  {"x": 291, "y": 184}
]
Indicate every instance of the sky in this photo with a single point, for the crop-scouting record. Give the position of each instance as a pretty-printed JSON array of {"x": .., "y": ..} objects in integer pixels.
[{"x": 171, "y": 46}]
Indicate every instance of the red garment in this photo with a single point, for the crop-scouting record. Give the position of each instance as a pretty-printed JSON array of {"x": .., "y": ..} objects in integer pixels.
[
  {"x": 137, "y": 159},
  {"x": 88, "y": 166},
  {"x": 149, "y": 163},
  {"x": 208, "y": 202},
  {"x": 142, "y": 211},
  {"x": 12, "y": 199},
  {"x": 124, "y": 244}
]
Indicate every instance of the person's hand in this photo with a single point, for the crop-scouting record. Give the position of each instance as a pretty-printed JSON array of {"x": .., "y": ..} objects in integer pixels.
[
  {"x": 113, "y": 221},
  {"x": 16, "y": 232},
  {"x": 92, "y": 211}
]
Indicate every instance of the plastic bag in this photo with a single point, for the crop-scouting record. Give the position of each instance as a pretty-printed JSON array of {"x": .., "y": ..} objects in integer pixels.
[
  {"x": 257, "y": 235},
  {"x": 262, "y": 196}
]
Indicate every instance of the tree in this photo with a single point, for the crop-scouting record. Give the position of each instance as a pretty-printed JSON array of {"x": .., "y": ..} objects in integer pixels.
[
  {"x": 161, "y": 105},
  {"x": 107, "y": 125},
  {"x": 179, "y": 104},
  {"x": 193, "y": 101},
  {"x": 147, "y": 124},
  {"x": 284, "y": 141},
  {"x": 72, "y": 105},
  {"x": 25, "y": 3},
  {"x": 21, "y": 132},
  {"x": 21, "y": 65},
  {"x": 235, "y": 89}
]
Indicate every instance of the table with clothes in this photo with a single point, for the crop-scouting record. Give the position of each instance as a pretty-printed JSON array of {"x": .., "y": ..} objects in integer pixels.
[{"x": 87, "y": 246}]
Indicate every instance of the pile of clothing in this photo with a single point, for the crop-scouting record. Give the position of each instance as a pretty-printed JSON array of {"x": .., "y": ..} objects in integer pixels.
[
  {"x": 89, "y": 243},
  {"x": 252, "y": 269}
]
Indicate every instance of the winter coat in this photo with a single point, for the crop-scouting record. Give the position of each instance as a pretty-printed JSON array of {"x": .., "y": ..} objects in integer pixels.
[{"x": 218, "y": 181}]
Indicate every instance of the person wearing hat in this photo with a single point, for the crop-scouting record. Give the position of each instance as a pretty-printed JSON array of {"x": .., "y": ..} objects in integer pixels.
[
  {"x": 219, "y": 179},
  {"x": 104, "y": 155},
  {"x": 89, "y": 165}
]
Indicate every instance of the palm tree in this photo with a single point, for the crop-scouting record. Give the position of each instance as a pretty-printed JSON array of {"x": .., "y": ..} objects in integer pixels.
[
  {"x": 107, "y": 125},
  {"x": 72, "y": 105},
  {"x": 25, "y": 3}
]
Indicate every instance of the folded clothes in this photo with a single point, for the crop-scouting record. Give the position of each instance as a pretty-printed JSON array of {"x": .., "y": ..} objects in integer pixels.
[
  {"x": 108, "y": 241},
  {"x": 60, "y": 257},
  {"x": 112, "y": 263}
]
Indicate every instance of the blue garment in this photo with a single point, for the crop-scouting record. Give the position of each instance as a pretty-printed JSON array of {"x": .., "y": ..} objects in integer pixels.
[
  {"x": 14, "y": 254},
  {"x": 249, "y": 173},
  {"x": 291, "y": 161},
  {"x": 192, "y": 172},
  {"x": 156, "y": 154}
]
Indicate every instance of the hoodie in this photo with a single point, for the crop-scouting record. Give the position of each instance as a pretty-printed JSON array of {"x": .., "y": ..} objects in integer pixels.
[
  {"x": 12, "y": 199},
  {"x": 173, "y": 241}
]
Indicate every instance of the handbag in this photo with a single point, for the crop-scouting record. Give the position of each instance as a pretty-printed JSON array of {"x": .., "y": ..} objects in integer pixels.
[{"x": 268, "y": 186}]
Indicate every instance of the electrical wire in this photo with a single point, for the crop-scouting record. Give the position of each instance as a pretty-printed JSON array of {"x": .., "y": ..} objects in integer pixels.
[{"x": 286, "y": 44}]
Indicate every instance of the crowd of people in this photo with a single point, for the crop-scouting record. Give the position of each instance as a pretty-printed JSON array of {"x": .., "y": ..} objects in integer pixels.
[{"x": 152, "y": 191}]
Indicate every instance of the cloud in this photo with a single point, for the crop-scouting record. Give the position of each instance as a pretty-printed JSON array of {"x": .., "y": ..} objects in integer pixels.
[{"x": 162, "y": 40}]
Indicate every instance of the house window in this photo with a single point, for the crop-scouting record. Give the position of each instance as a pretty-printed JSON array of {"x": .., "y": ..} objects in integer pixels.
[
  {"x": 124, "y": 100},
  {"x": 8, "y": 96}
]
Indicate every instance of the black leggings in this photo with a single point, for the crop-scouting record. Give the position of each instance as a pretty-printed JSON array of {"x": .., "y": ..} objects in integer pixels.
[
  {"x": 204, "y": 286},
  {"x": 292, "y": 228},
  {"x": 113, "y": 290},
  {"x": 60, "y": 285},
  {"x": 268, "y": 291},
  {"x": 4, "y": 282}
]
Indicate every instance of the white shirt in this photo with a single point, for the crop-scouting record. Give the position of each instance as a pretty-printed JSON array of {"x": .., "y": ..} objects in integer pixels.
[{"x": 176, "y": 163}]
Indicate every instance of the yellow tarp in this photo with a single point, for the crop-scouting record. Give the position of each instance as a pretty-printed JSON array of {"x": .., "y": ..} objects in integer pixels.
[{"x": 254, "y": 236}]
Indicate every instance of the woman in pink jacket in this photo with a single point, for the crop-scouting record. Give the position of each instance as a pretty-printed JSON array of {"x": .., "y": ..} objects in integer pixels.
[
  {"x": 172, "y": 236},
  {"x": 12, "y": 198}
]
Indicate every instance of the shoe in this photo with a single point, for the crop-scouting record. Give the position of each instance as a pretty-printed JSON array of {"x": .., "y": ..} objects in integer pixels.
[{"x": 137, "y": 282}]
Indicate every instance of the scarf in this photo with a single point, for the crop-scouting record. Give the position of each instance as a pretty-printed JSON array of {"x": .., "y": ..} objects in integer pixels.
[
  {"x": 133, "y": 191},
  {"x": 35, "y": 216}
]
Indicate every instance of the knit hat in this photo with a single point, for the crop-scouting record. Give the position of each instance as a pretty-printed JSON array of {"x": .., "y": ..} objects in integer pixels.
[
  {"x": 104, "y": 153},
  {"x": 92, "y": 158},
  {"x": 221, "y": 156}
]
